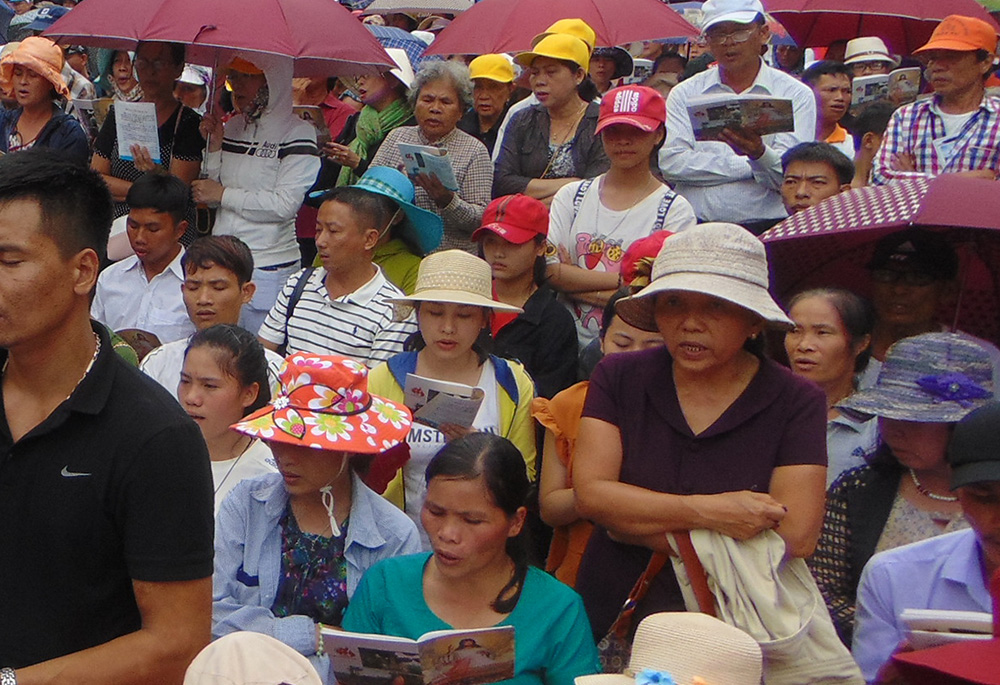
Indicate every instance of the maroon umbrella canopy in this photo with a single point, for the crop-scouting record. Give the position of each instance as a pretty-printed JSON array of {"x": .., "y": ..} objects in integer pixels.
[
  {"x": 509, "y": 25},
  {"x": 320, "y": 35},
  {"x": 904, "y": 25},
  {"x": 830, "y": 244}
]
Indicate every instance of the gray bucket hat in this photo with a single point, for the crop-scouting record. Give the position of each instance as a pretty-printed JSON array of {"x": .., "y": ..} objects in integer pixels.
[
  {"x": 722, "y": 260},
  {"x": 929, "y": 378}
]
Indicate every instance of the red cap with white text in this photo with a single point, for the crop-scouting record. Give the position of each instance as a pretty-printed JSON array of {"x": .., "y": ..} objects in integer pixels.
[
  {"x": 515, "y": 218},
  {"x": 637, "y": 106}
]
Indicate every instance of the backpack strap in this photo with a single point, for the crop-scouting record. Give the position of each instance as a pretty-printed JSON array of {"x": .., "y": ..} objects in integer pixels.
[
  {"x": 293, "y": 300},
  {"x": 581, "y": 191}
]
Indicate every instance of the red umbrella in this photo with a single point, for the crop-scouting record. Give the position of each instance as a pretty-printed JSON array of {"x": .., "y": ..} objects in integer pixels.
[
  {"x": 320, "y": 35},
  {"x": 509, "y": 25},
  {"x": 830, "y": 244},
  {"x": 904, "y": 25}
]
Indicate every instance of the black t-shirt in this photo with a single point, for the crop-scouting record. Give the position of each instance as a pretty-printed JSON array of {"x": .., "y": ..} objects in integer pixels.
[{"x": 114, "y": 486}]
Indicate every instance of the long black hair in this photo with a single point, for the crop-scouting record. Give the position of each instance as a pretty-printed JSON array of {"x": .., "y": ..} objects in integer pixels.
[{"x": 500, "y": 464}]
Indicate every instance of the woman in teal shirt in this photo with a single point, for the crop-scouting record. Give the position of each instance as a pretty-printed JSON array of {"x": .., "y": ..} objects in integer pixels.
[{"x": 477, "y": 575}]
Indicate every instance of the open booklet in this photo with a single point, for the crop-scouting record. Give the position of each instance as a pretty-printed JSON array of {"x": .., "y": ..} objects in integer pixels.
[
  {"x": 443, "y": 657},
  {"x": 760, "y": 113},
  {"x": 933, "y": 627},
  {"x": 314, "y": 115},
  {"x": 426, "y": 159},
  {"x": 898, "y": 87},
  {"x": 434, "y": 402}
]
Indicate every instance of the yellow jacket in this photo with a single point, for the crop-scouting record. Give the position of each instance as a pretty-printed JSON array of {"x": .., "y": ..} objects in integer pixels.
[{"x": 516, "y": 393}]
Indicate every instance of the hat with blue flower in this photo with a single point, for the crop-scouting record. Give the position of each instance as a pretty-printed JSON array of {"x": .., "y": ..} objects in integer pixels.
[{"x": 322, "y": 402}]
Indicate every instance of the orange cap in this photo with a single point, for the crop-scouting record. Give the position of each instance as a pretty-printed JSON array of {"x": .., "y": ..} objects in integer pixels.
[
  {"x": 965, "y": 34},
  {"x": 245, "y": 67}
]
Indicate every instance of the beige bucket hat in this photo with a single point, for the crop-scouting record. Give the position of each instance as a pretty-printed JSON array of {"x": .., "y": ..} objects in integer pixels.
[{"x": 453, "y": 276}]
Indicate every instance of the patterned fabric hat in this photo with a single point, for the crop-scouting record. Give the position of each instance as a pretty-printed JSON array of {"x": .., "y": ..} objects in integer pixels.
[
  {"x": 454, "y": 276},
  {"x": 929, "y": 378},
  {"x": 687, "y": 646},
  {"x": 322, "y": 402},
  {"x": 717, "y": 259}
]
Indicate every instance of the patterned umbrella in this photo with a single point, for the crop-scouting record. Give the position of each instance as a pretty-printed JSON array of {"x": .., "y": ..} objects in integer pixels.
[
  {"x": 392, "y": 37},
  {"x": 830, "y": 244}
]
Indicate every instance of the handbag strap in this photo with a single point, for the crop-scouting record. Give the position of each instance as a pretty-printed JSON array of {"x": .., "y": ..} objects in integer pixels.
[
  {"x": 623, "y": 623},
  {"x": 696, "y": 572}
]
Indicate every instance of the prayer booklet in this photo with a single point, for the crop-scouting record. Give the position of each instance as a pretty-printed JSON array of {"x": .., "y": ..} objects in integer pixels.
[
  {"x": 443, "y": 657},
  {"x": 426, "y": 159},
  {"x": 434, "y": 402},
  {"x": 898, "y": 87},
  {"x": 136, "y": 124},
  {"x": 933, "y": 627},
  {"x": 762, "y": 114}
]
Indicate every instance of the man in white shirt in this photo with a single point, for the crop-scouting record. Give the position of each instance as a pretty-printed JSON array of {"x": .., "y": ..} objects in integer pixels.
[
  {"x": 344, "y": 307},
  {"x": 144, "y": 291},
  {"x": 737, "y": 179},
  {"x": 217, "y": 271}
]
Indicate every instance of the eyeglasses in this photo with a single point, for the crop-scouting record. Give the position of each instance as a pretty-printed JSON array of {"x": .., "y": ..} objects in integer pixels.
[
  {"x": 872, "y": 67},
  {"x": 736, "y": 37},
  {"x": 913, "y": 278},
  {"x": 152, "y": 65}
]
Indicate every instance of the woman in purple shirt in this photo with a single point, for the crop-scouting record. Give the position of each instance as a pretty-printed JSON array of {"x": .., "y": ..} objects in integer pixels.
[{"x": 703, "y": 433}]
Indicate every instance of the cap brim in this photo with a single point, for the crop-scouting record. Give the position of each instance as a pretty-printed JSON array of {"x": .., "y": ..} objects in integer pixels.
[
  {"x": 946, "y": 44},
  {"x": 637, "y": 310},
  {"x": 647, "y": 124},
  {"x": 512, "y": 234},
  {"x": 742, "y": 17},
  {"x": 493, "y": 78},
  {"x": 978, "y": 472}
]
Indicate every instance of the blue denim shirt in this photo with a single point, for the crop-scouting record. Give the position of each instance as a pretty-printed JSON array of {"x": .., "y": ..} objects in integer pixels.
[{"x": 248, "y": 558}]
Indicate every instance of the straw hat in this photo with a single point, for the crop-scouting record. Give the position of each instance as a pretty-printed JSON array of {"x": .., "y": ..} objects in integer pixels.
[
  {"x": 717, "y": 259},
  {"x": 457, "y": 277},
  {"x": 322, "y": 402},
  {"x": 929, "y": 378},
  {"x": 40, "y": 55},
  {"x": 686, "y": 645},
  {"x": 248, "y": 658}
]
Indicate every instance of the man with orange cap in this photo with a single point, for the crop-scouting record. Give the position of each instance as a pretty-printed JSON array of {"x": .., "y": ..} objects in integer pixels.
[{"x": 957, "y": 130}]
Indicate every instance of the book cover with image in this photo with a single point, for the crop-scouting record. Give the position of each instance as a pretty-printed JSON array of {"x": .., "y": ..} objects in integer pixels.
[{"x": 759, "y": 113}]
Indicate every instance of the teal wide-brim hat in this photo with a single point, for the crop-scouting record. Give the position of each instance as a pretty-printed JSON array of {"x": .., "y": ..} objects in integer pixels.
[{"x": 423, "y": 228}]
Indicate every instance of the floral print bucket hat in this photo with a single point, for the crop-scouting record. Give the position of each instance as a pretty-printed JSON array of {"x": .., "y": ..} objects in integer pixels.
[{"x": 322, "y": 402}]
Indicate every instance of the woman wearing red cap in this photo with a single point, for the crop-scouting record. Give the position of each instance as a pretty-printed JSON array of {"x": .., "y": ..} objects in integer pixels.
[{"x": 593, "y": 222}]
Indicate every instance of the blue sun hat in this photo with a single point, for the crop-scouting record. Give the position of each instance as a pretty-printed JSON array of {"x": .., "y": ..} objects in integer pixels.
[{"x": 422, "y": 228}]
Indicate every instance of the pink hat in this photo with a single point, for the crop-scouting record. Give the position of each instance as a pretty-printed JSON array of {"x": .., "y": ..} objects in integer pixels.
[
  {"x": 515, "y": 218},
  {"x": 637, "y": 106}
]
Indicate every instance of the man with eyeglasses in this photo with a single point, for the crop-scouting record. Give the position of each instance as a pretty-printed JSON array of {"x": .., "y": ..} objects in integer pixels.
[
  {"x": 868, "y": 56},
  {"x": 957, "y": 130},
  {"x": 913, "y": 273},
  {"x": 737, "y": 179}
]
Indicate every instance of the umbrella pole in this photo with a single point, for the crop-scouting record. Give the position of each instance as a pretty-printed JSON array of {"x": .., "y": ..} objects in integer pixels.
[{"x": 963, "y": 275}]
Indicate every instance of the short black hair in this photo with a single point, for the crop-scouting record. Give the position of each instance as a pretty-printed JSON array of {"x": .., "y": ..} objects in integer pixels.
[
  {"x": 74, "y": 200},
  {"x": 226, "y": 251},
  {"x": 178, "y": 51},
  {"x": 826, "y": 67},
  {"x": 669, "y": 55},
  {"x": 374, "y": 210},
  {"x": 161, "y": 191},
  {"x": 857, "y": 315},
  {"x": 871, "y": 118},
  {"x": 822, "y": 153}
]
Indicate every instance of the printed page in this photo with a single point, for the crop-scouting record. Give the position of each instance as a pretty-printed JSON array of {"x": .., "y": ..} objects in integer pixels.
[{"x": 136, "y": 122}]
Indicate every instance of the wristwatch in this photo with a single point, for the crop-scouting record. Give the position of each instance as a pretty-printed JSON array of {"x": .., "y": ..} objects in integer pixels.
[{"x": 7, "y": 676}]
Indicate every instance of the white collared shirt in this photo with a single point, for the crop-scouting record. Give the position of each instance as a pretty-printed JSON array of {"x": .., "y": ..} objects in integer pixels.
[
  {"x": 125, "y": 299},
  {"x": 719, "y": 184}
]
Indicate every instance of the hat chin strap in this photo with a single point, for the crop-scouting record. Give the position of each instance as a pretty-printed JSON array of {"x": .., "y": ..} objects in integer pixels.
[{"x": 327, "y": 494}]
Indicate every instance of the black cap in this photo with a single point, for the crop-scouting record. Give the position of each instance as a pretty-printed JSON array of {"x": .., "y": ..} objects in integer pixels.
[
  {"x": 926, "y": 251},
  {"x": 973, "y": 451}
]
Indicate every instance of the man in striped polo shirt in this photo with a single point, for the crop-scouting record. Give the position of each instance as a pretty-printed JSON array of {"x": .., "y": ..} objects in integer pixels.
[
  {"x": 958, "y": 129},
  {"x": 341, "y": 307}
]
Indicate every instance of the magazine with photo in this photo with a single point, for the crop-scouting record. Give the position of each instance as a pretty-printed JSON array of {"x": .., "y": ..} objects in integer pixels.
[
  {"x": 426, "y": 159},
  {"x": 759, "y": 113},
  {"x": 444, "y": 657},
  {"x": 434, "y": 402},
  {"x": 865, "y": 89}
]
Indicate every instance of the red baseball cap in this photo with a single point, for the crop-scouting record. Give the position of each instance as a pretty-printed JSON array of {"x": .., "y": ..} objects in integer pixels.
[
  {"x": 637, "y": 106},
  {"x": 515, "y": 218}
]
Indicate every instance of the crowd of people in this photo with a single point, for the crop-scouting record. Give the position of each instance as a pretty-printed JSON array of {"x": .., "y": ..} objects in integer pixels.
[{"x": 237, "y": 333}]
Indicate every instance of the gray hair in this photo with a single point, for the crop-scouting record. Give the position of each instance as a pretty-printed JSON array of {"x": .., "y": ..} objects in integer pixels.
[{"x": 443, "y": 70}]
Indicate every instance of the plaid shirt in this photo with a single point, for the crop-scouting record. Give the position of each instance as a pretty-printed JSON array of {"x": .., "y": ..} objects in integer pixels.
[
  {"x": 918, "y": 129},
  {"x": 473, "y": 171}
]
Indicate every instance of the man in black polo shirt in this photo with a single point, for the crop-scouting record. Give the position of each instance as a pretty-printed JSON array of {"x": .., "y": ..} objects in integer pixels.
[{"x": 105, "y": 485}]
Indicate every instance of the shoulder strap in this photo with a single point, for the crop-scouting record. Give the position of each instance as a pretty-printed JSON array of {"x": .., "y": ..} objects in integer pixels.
[
  {"x": 581, "y": 191},
  {"x": 293, "y": 300},
  {"x": 661, "y": 212}
]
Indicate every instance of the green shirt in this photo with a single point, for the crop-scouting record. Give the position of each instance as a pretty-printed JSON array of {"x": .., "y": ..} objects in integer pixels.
[{"x": 398, "y": 264}]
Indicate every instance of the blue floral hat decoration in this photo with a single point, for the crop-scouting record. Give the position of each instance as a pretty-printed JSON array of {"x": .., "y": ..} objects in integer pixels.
[
  {"x": 929, "y": 378},
  {"x": 323, "y": 403}
]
